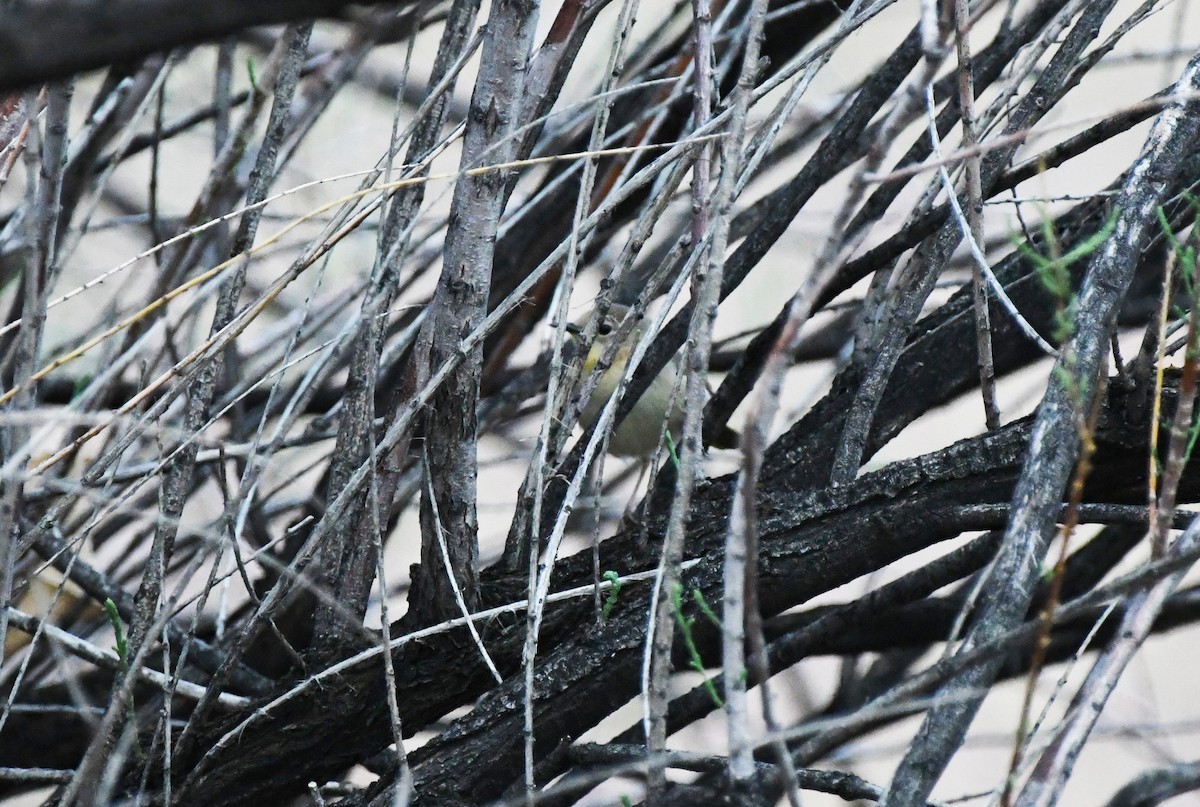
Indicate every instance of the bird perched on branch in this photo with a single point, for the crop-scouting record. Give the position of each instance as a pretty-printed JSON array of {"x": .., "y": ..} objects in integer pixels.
[{"x": 641, "y": 430}]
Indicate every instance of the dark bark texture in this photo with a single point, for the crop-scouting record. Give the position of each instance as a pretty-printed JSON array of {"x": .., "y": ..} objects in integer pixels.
[{"x": 293, "y": 478}]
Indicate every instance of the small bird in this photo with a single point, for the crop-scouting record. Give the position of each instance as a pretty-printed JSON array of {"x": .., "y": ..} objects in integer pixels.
[{"x": 640, "y": 431}]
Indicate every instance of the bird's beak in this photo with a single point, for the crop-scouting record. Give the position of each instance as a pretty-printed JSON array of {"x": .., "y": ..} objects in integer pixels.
[{"x": 574, "y": 329}]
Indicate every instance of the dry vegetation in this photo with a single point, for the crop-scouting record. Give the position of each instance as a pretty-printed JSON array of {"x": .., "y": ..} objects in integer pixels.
[{"x": 285, "y": 311}]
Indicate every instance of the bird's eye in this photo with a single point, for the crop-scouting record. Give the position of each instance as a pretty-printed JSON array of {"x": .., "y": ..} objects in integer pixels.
[{"x": 605, "y": 329}]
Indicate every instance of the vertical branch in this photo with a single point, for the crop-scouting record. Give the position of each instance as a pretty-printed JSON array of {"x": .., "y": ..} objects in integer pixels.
[
  {"x": 706, "y": 290},
  {"x": 45, "y": 171},
  {"x": 1182, "y": 433},
  {"x": 702, "y": 75},
  {"x": 177, "y": 476},
  {"x": 458, "y": 308},
  {"x": 346, "y": 563},
  {"x": 657, "y": 670},
  {"x": 894, "y": 300},
  {"x": 542, "y": 466},
  {"x": 1159, "y": 359},
  {"x": 222, "y": 93},
  {"x": 974, "y": 188}
]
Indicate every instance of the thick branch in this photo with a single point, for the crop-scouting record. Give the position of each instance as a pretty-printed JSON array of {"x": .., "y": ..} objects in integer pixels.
[{"x": 32, "y": 34}]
